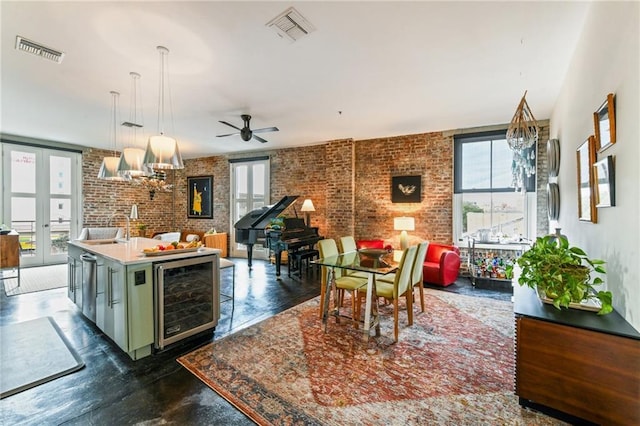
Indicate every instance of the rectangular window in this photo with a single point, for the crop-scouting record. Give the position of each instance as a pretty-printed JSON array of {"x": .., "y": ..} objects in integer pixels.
[{"x": 486, "y": 205}]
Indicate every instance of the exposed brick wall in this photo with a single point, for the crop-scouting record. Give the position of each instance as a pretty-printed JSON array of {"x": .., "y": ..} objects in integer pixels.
[
  {"x": 218, "y": 167},
  {"x": 300, "y": 171},
  {"x": 429, "y": 155},
  {"x": 348, "y": 181},
  {"x": 542, "y": 178},
  {"x": 340, "y": 188},
  {"x": 102, "y": 199}
]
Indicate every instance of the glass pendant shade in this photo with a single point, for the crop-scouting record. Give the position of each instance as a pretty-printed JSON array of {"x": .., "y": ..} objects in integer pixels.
[
  {"x": 109, "y": 169},
  {"x": 163, "y": 153},
  {"x": 131, "y": 163}
]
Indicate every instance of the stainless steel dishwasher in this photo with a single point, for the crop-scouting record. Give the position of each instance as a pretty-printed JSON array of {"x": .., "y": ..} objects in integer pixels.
[{"x": 89, "y": 285}]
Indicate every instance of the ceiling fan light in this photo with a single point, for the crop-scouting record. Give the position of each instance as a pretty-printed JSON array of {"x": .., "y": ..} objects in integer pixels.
[{"x": 163, "y": 153}]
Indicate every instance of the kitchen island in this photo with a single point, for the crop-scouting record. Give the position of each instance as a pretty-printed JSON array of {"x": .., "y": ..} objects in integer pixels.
[{"x": 144, "y": 301}]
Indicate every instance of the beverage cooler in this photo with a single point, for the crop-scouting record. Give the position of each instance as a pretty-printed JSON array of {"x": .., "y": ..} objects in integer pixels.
[{"x": 187, "y": 298}]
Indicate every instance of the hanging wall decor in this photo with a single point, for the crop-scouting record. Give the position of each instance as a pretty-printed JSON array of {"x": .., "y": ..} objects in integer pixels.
[
  {"x": 605, "y": 182},
  {"x": 585, "y": 156},
  {"x": 406, "y": 189},
  {"x": 553, "y": 200},
  {"x": 200, "y": 193},
  {"x": 553, "y": 157},
  {"x": 604, "y": 122}
]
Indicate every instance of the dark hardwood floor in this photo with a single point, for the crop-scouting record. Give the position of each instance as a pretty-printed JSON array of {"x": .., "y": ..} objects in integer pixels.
[{"x": 114, "y": 390}]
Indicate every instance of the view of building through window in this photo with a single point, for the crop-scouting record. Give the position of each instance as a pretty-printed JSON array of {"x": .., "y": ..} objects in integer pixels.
[
  {"x": 24, "y": 200},
  {"x": 486, "y": 205}
]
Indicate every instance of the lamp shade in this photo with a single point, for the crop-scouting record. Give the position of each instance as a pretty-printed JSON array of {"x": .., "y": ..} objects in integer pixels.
[
  {"x": 109, "y": 169},
  {"x": 404, "y": 223},
  {"x": 307, "y": 206},
  {"x": 132, "y": 163},
  {"x": 134, "y": 212},
  {"x": 163, "y": 153}
]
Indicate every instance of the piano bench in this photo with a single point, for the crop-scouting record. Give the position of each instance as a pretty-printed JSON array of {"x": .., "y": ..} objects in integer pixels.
[{"x": 301, "y": 257}]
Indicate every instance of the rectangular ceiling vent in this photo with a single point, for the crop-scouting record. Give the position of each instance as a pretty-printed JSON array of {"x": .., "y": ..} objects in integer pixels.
[
  {"x": 291, "y": 25},
  {"x": 38, "y": 50}
]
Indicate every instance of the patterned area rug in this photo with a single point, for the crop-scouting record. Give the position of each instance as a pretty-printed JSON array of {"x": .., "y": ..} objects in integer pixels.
[
  {"x": 34, "y": 279},
  {"x": 455, "y": 365}
]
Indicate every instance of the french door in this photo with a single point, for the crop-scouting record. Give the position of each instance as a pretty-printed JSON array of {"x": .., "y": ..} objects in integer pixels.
[
  {"x": 250, "y": 190},
  {"x": 41, "y": 200}
]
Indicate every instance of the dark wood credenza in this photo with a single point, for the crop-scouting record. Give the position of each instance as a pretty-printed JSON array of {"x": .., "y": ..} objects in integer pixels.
[{"x": 576, "y": 362}]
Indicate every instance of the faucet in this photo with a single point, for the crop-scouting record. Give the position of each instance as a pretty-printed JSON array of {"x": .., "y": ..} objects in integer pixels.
[{"x": 128, "y": 230}]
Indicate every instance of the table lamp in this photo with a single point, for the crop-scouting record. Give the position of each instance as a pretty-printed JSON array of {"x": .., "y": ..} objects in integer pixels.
[
  {"x": 134, "y": 212},
  {"x": 307, "y": 207},
  {"x": 403, "y": 224}
]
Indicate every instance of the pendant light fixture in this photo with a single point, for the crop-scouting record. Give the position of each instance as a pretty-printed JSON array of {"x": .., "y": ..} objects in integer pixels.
[
  {"x": 522, "y": 136},
  {"x": 162, "y": 151},
  {"x": 109, "y": 167},
  {"x": 523, "y": 129},
  {"x": 132, "y": 157}
]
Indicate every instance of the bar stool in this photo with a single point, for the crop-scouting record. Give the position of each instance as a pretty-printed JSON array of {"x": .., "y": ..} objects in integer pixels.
[{"x": 225, "y": 263}]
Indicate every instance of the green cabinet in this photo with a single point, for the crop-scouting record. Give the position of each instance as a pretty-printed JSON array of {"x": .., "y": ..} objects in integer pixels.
[
  {"x": 74, "y": 262},
  {"x": 140, "y": 309},
  {"x": 124, "y": 305}
]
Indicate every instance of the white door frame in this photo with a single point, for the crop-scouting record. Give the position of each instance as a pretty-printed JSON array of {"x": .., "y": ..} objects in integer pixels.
[
  {"x": 42, "y": 227},
  {"x": 242, "y": 202}
]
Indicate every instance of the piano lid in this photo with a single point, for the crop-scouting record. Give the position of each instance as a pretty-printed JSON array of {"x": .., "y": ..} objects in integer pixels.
[{"x": 260, "y": 218}]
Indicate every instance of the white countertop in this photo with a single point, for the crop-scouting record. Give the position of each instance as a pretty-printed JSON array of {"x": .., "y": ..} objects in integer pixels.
[{"x": 130, "y": 252}]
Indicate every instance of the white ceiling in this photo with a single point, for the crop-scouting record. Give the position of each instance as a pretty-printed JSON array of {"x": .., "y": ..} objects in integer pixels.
[{"x": 391, "y": 68}]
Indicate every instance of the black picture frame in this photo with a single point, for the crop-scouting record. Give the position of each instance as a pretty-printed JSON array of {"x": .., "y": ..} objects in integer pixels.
[
  {"x": 605, "y": 182},
  {"x": 406, "y": 189},
  {"x": 200, "y": 197}
]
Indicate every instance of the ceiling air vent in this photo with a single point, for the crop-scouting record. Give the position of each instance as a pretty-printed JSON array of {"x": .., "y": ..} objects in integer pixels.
[
  {"x": 291, "y": 25},
  {"x": 38, "y": 50}
]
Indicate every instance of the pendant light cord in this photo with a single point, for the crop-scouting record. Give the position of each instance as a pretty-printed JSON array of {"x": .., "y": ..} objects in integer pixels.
[{"x": 113, "y": 133}]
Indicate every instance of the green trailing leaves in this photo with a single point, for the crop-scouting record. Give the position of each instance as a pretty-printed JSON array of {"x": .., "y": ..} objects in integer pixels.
[{"x": 563, "y": 273}]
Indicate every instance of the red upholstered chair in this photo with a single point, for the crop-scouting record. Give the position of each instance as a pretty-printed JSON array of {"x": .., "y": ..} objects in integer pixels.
[{"x": 441, "y": 264}]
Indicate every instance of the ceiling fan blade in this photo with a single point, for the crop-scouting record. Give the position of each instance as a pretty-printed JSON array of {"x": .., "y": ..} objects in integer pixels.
[
  {"x": 260, "y": 139},
  {"x": 229, "y": 134},
  {"x": 266, "y": 129},
  {"x": 230, "y": 125}
]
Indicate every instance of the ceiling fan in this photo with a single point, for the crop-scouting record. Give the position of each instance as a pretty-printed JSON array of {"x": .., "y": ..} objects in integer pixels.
[{"x": 246, "y": 133}]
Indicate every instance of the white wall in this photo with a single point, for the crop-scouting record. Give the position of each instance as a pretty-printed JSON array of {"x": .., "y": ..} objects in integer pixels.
[{"x": 606, "y": 60}]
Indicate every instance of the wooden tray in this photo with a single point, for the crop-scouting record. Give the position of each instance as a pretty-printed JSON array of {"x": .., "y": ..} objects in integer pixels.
[{"x": 168, "y": 252}]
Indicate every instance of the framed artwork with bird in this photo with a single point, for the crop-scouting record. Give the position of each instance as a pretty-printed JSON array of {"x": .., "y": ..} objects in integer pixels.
[{"x": 406, "y": 189}]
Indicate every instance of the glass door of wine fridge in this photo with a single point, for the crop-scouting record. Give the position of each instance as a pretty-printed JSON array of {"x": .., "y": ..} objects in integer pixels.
[{"x": 187, "y": 298}]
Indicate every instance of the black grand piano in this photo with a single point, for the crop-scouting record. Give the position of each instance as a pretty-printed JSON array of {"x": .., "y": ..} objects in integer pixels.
[{"x": 251, "y": 229}]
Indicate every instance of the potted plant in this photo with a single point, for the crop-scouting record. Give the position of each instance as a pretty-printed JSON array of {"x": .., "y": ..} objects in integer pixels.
[
  {"x": 142, "y": 228},
  {"x": 562, "y": 273}
]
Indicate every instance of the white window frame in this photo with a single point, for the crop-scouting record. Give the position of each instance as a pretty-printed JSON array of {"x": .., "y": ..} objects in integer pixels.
[{"x": 529, "y": 202}]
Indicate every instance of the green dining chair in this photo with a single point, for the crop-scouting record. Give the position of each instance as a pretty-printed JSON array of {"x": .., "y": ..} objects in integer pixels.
[
  {"x": 416, "y": 273},
  {"x": 347, "y": 245},
  {"x": 402, "y": 286},
  {"x": 328, "y": 248}
]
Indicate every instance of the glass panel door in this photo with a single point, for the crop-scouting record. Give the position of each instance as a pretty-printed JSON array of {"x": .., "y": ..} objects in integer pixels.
[
  {"x": 41, "y": 200},
  {"x": 249, "y": 191}
]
